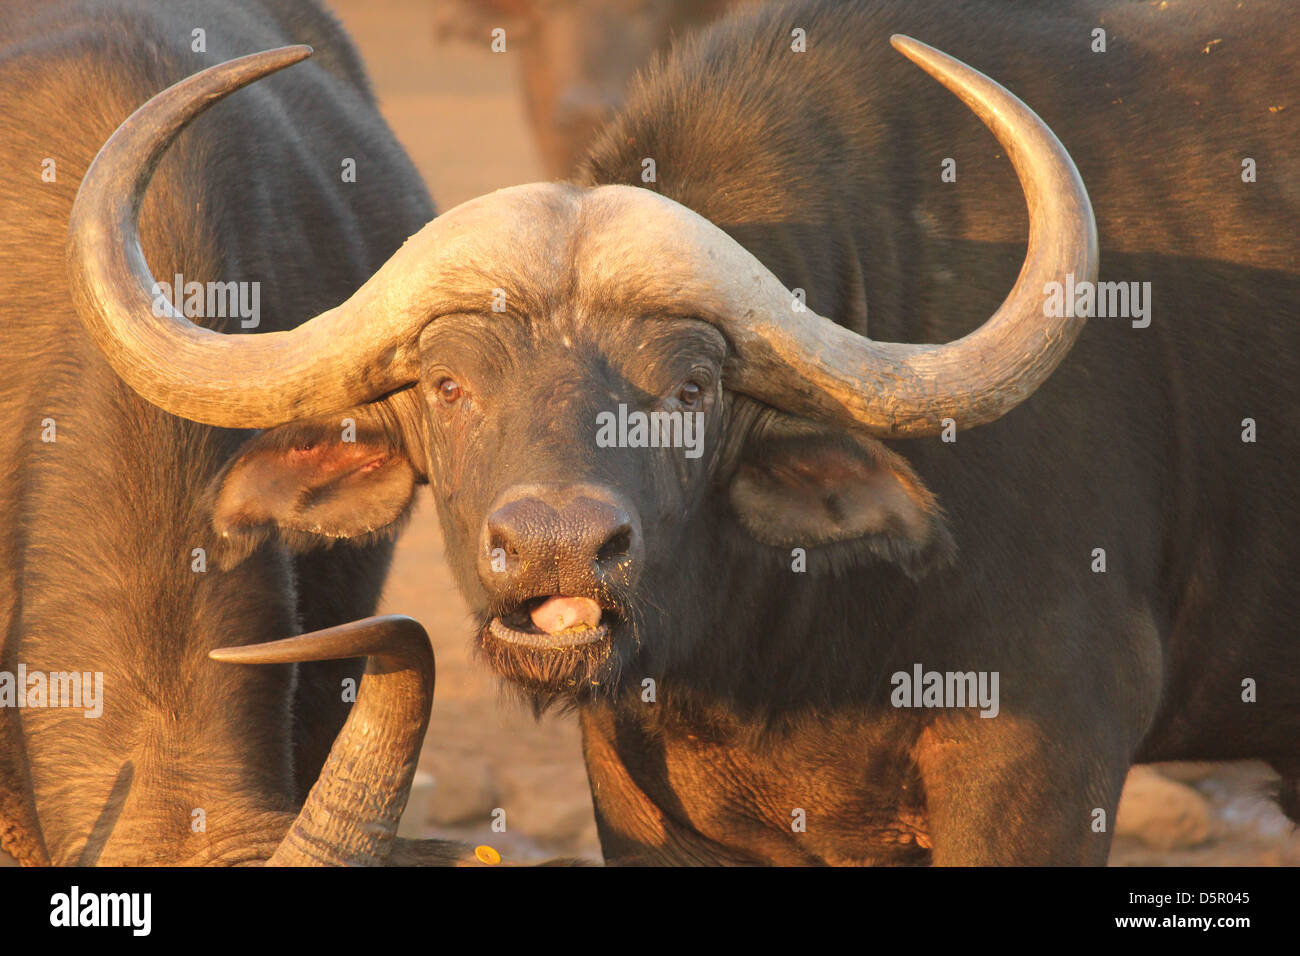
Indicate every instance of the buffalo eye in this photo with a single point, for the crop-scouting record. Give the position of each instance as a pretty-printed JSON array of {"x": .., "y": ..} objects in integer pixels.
[
  {"x": 449, "y": 391},
  {"x": 689, "y": 394}
]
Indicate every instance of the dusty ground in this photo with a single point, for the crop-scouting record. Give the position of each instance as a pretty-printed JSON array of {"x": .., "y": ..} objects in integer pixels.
[{"x": 456, "y": 110}]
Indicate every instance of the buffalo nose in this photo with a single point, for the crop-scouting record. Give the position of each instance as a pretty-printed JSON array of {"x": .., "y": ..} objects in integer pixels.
[{"x": 559, "y": 541}]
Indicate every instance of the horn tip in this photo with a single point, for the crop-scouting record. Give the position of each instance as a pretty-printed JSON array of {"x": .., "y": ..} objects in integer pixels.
[
  {"x": 291, "y": 54},
  {"x": 277, "y": 58},
  {"x": 912, "y": 48}
]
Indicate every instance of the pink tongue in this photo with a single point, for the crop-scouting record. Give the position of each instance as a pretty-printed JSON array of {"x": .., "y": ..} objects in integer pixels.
[{"x": 561, "y": 613}]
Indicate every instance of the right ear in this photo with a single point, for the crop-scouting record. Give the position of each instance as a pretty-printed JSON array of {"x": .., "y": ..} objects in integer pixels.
[{"x": 312, "y": 482}]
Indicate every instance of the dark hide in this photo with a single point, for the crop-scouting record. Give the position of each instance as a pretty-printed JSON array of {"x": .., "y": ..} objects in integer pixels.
[
  {"x": 100, "y": 525},
  {"x": 826, "y": 165},
  {"x": 741, "y": 709}
]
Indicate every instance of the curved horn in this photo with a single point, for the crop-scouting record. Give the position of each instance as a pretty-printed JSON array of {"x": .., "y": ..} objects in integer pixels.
[
  {"x": 803, "y": 363},
  {"x": 346, "y": 356},
  {"x": 898, "y": 390},
  {"x": 350, "y": 817},
  {"x": 797, "y": 361}
]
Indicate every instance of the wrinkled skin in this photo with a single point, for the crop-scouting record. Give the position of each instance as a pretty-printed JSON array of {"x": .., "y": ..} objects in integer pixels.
[{"x": 771, "y": 695}]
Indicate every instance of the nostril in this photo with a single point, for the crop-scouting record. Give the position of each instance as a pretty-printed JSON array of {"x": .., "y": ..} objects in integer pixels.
[
  {"x": 617, "y": 546},
  {"x": 501, "y": 541}
]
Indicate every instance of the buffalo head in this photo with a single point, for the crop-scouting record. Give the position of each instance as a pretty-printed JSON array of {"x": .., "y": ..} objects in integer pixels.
[{"x": 604, "y": 390}]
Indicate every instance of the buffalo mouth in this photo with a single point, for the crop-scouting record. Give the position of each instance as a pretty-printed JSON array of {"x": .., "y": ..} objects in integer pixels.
[
  {"x": 554, "y": 647},
  {"x": 554, "y": 622}
]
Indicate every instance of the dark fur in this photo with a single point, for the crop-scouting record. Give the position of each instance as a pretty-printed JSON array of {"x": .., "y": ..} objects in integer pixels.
[
  {"x": 826, "y": 166},
  {"x": 95, "y": 571},
  {"x": 772, "y": 686}
]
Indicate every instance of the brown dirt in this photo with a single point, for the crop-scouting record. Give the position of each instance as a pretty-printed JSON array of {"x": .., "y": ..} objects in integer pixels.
[{"x": 457, "y": 112}]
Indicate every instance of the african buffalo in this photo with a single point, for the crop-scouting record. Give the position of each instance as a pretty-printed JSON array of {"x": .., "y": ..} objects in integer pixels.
[
  {"x": 114, "y": 584},
  {"x": 808, "y": 612}
]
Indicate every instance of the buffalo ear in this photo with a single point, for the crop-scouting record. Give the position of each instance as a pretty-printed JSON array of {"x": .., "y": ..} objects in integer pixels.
[
  {"x": 801, "y": 484},
  {"x": 309, "y": 484}
]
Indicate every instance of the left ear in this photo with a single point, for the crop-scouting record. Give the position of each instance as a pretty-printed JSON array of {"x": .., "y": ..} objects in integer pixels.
[
  {"x": 803, "y": 484},
  {"x": 313, "y": 481}
]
